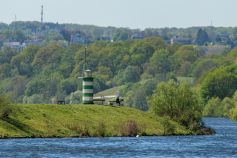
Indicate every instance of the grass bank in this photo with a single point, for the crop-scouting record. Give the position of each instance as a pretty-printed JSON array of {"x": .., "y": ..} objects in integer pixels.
[{"x": 84, "y": 120}]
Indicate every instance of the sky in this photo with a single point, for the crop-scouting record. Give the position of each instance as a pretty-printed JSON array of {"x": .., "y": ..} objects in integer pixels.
[{"x": 124, "y": 13}]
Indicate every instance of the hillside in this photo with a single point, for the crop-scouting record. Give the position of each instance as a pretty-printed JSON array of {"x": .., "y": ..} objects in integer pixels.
[{"x": 81, "y": 120}]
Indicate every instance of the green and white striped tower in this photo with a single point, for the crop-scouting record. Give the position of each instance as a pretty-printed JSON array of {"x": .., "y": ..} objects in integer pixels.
[{"x": 88, "y": 89}]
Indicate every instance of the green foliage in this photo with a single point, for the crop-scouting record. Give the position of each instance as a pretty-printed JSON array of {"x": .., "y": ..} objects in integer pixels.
[
  {"x": 177, "y": 101},
  {"x": 187, "y": 53},
  {"x": 51, "y": 70},
  {"x": 36, "y": 86},
  {"x": 221, "y": 82},
  {"x": 121, "y": 34},
  {"x": 130, "y": 74},
  {"x": 6, "y": 55},
  {"x": 229, "y": 107},
  {"x": 213, "y": 108},
  {"x": 233, "y": 113},
  {"x": 202, "y": 37},
  {"x": 79, "y": 120},
  {"x": 13, "y": 35},
  {"x": 161, "y": 62},
  {"x": 221, "y": 108},
  {"x": 169, "y": 128},
  {"x": 99, "y": 85},
  {"x": 202, "y": 66},
  {"x": 136, "y": 96},
  {"x": 68, "y": 86},
  {"x": 6, "y": 108},
  {"x": 227, "y": 104},
  {"x": 22, "y": 61}
]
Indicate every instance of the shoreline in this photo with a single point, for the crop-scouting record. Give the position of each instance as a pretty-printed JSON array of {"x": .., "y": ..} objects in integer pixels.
[{"x": 174, "y": 135}]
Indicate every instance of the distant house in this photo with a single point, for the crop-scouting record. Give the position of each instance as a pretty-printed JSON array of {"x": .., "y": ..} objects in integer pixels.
[
  {"x": 180, "y": 40},
  {"x": 13, "y": 45}
]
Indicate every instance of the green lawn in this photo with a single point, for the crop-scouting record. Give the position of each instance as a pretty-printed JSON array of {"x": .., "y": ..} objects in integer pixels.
[
  {"x": 80, "y": 120},
  {"x": 110, "y": 91}
]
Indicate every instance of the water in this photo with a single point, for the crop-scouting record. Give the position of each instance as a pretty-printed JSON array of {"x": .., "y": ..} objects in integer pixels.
[{"x": 222, "y": 144}]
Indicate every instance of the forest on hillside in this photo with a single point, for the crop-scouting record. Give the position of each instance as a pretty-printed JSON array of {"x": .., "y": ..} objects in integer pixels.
[{"x": 134, "y": 67}]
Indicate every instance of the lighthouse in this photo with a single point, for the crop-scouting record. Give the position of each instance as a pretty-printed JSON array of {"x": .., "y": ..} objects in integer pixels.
[{"x": 87, "y": 87}]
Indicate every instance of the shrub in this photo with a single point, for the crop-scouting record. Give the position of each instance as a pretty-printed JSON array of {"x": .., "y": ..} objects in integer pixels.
[
  {"x": 227, "y": 104},
  {"x": 129, "y": 128},
  {"x": 168, "y": 127},
  {"x": 178, "y": 102},
  {"x": 6, "y": 108},
  {"x": 221, "y": 82},
  {"x": 213, "y": 108},
  {"x": 233, "y": 113}
]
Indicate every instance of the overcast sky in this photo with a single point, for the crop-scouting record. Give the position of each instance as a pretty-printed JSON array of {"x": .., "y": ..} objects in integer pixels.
[{"x": 124, "y": 13}]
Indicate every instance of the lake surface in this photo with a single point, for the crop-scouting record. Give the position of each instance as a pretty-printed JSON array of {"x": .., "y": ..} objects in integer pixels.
[{"x": 222, "y": 144}]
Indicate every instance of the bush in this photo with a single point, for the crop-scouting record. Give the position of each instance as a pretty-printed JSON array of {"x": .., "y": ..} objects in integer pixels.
[
  {"x": 178, "y": 102},
  {"x": 129, "y": 128},
  {"x": 221, "y": 82},
  {"x": 168, "y": 127},
  {"x": 6, "y": 108},
  {"x": 227, "y": 105},
  {"x": 213, "y": 108},
  {"x": 233, "y": 113}
]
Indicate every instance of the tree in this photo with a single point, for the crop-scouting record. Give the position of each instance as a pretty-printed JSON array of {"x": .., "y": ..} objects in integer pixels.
[
  {"x": 184, "y": 69},
  {"x": 202, "y": 66},
  {"x": 161, "y": 62},
  {"x": 228, "y": 104},
  {"x": 6, "y": 108},
  {"x": 179, "y": 102},
  {"x": 139, "y": 92},
  {"x": 187, "y": 53},
  {"x": 68, "y": 86},
  {"x": 221, "y": 82},
  {"x": 7, "y": 54},
  {"x": 35, "y": 86},
  {"x": 130, "y": 74},
  {"x": 121, "y": 34},
  {"x": 202, "y": 37},
  {"x": 213, "y": 108}
]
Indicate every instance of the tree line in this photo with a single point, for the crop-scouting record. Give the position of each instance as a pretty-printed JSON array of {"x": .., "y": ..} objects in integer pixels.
[{"x": 24, "y": 32}]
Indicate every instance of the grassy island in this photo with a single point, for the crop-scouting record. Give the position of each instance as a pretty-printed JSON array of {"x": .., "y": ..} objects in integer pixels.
[{"x": 85, "y": 120}]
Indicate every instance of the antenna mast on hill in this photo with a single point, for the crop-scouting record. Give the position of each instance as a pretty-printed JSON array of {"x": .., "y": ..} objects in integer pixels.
[
  {"x": 42, "y": 14},
  {"x": 85, "y": 62}
]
